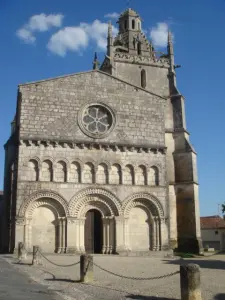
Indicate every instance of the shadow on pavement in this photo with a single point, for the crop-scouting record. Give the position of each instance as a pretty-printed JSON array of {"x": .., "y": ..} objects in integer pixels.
[
  {"x": 139, "y": 297},
  {"x": 61, "y": 280},
  {"x": 203, "y": 263},
  {"x": 220, "y": 297}
]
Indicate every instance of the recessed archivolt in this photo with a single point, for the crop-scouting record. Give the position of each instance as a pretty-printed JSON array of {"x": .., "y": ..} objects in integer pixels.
[
  {"x": 96, "y": 195},
  {"x": 93, "y": 202},
  {"x": 46, "y": 198},
  {"x": 143, "y": 199}
]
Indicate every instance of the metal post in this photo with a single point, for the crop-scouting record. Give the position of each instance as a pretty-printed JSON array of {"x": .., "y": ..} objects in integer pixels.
[
  {"x": 190, "y": 282},
  {"x": 86, "y": 268},
  {"x": 36, "y": 256}
]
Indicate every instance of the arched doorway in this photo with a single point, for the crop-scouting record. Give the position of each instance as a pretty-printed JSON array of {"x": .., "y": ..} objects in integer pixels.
[{"x": 93, "y": 231}]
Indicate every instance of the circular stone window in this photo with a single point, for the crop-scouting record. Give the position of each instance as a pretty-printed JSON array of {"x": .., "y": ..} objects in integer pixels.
[{"x": 97, "y": 120}]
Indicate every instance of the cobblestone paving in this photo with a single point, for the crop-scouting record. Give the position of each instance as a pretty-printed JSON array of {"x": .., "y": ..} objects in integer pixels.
[{"x": 65, "y": 280}]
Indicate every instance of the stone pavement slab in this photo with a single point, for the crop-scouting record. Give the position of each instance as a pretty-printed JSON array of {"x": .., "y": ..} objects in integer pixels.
[
  {"x": 65, "y": 280},
  {"x": 14, "y": 285}
]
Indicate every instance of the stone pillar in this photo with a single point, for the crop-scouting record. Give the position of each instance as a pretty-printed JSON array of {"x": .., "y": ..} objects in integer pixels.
[
  {"x": 104, "y": 235},
  {"x": 190, "y": 282},
  {"x": 120, "y": 243},
  {"x": 63, "y": 235},
  {"x": 59, "y": 225},
  {"x": 72, "y": 235},
  {"x": 172, "y": 218},
  {"x": 153, "y": 235},
  {"x": 19, "y": 230},
  {"x": 81, "y": 234},
  {"x": 36, "y": 256},
  {"x": 86, "y": 268},
  {"x": 164, "y": 235},
  {"x": 112, "y": 235},
  {"x": 157, "y": 248}
]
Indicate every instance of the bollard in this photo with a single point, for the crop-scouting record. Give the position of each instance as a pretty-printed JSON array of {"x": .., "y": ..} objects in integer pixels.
[
  {"x": 190, "y": 282},
  {"x": 21, "y": 251},
  {"x": 36, "y": 256},
  {"x": 86, "y": 268}
]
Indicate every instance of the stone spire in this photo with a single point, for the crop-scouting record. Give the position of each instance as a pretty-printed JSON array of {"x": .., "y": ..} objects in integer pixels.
[
  {"x": 110, "y": 40},
  {"x": 95, "y": 62},
  {"x": 172, "y": 73}
]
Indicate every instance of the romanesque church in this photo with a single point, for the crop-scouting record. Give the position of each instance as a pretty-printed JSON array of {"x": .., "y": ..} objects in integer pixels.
[{"x": 100, "y": 161}]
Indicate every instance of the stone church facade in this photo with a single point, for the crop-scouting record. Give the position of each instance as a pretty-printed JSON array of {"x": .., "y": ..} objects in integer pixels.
[{"x": 100, "y": 161}]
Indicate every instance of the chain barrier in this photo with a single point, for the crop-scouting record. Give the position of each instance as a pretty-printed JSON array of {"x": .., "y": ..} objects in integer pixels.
[
  {"x": 58, "y": 265},
  {"x": 137, "y": 278}
]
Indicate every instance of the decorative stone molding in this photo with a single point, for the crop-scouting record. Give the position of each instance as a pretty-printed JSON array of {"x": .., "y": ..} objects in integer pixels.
[
  {"x": 53, "y": 199},
  {"x": 148, "y": 200},
  {"x": 119, "y": 147},
  {"x": 150, "y": 60},
  {"x": 94, "y": 194},
  {"x": 20, "y": 221}
]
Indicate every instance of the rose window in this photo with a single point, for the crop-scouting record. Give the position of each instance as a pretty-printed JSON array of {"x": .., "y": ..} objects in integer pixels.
[{"x": 97, "y": 120}]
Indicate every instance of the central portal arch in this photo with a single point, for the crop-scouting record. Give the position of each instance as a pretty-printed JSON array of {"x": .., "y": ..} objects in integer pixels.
[{"x": 93, "y": 232}]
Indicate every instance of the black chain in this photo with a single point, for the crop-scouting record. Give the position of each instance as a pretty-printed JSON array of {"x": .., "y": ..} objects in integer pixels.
[
  {"x": 137, "y": 278},
  {"x": 58, "y": 265}
]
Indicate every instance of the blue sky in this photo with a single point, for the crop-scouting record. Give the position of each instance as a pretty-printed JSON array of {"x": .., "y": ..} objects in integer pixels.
[{"x": 64, "y": 38}]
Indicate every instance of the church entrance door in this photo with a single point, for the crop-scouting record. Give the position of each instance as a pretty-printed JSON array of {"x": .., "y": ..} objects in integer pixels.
[{"x": 93, "y": 231}]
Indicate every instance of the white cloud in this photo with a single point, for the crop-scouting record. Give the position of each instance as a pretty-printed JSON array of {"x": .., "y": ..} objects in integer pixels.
[
  {"x": 44, "y": 22},
  {"x": 26, "y": 36},
  {"x": 78, "y": 38},
  {"x": 113, "y": 15},
  {"x": 159, "y": 35},
  {"x": 68, "y": 39},
  {"x": 39, "y": 23}
]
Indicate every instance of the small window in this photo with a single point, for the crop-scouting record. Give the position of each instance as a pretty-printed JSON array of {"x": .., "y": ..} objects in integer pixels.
[
  {"x": 133, "y": 24},
  {"x": 139, "y": 48},
  {"x": 143, "y": 79},
  {"x": 125, "y": 24}
]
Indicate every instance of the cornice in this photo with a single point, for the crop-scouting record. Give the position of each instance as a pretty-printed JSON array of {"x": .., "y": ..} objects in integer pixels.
[{"x": 116, "y": 147}]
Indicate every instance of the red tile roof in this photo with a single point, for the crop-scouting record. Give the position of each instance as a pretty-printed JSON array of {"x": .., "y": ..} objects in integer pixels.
[{"x": 212, "y": 222}]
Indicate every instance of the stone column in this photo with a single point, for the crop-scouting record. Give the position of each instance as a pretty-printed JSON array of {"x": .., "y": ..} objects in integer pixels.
[
  {"x": 104, "y": 235},
  {"x": 112, "y": 235},
  {"x": 59, "y": 227},
  {"x": 164, "y": 235},
  {"x": 72, "y": 235},
  {"x": 19, "y": 230},
  {"x": 157, "y": 233},
  {"x": 153, "y": 235},
  {"x": 63, "y": 235},
  {"x": 81, "y": 234}
]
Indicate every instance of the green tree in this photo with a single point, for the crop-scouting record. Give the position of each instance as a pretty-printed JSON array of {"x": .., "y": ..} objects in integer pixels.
[{"x": 223, "y": 208}]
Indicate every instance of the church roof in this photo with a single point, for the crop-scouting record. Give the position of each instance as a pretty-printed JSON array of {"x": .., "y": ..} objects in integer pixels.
[
  {"x": 129, "y": 12},
  {"x": 93, "y": 71}
]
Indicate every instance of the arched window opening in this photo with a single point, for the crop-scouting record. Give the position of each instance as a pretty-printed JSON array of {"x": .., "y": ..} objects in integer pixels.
[
  {"x": 133, "y": 24},
  {"x": 33, "y": 170},
  {"x": 125, "y": 24},
  {"x": 143, "y": 79},
  {"x": 139, "y": 48},
  {"x": 47, "y": 171},
  {"x": 154, "y": 176}
]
